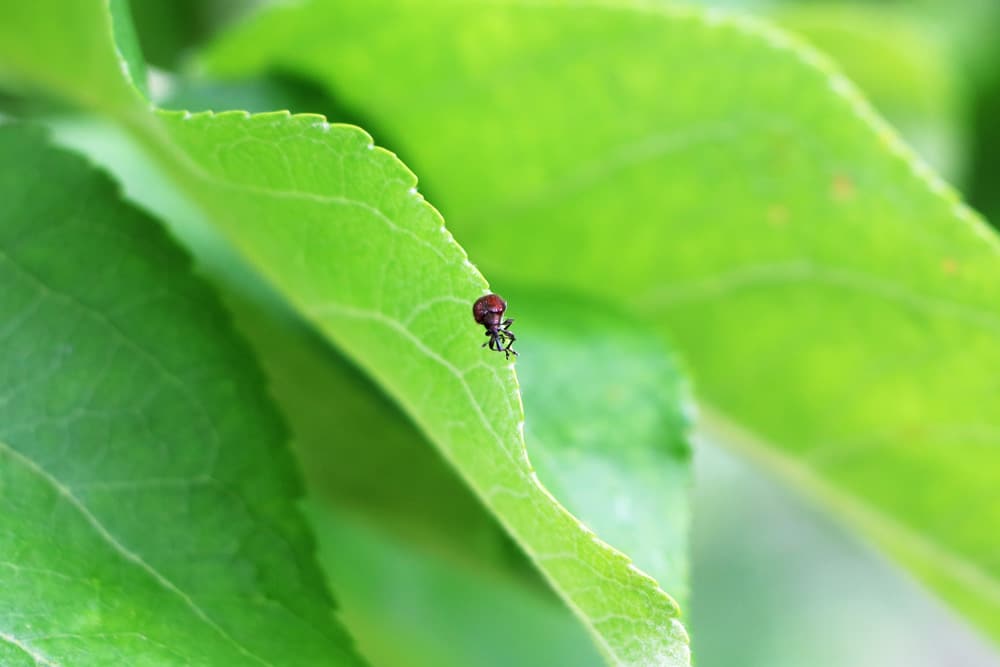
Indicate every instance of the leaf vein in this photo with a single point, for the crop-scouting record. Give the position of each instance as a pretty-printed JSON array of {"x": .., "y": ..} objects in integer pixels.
[
  {"x": 102, "y": 531},
  {"x": 39, "y": 658},
  {"x": 805, "y": 270}
]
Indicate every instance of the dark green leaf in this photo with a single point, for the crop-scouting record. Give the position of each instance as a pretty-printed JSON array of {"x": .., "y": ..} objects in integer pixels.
[{"x": 147, "y": 491}]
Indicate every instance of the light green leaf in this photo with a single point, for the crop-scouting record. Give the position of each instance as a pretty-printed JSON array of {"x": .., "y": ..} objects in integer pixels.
[
  {"x": 340, "y": 228},
  {"x": 895, "y": 57},
  {"x": 33, "y": 53},
  {"x": 147, "y": 493},
  {"x": 829, "y": 292},
  {"x": 901, "y": 61}
]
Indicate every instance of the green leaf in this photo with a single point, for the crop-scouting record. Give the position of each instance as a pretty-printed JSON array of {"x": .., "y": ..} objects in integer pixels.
[
  {"x": 607, "y": 430},
  {"x": 896, "y": 58},
  {"x": 148, "y": 495},
  {"x": 358, "y": 450},
  {"x": 901, "y": 61},
  {"x": 127, "y": 45},
  {"x": 355, "y": 446},
  {"x": 475, "y": 603},
  {"x": 434, "y": 607},
  {"x": 606, "y": 434},
  {"x": 721, "y": 180},
  {"x": 339, "y": 227},
  {"x": 87, "y": 68},
  {"x": 168, "y": 29}
]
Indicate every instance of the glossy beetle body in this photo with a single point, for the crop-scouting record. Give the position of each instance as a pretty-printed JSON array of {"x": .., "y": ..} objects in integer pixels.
[{"x": 488, "y": 310}]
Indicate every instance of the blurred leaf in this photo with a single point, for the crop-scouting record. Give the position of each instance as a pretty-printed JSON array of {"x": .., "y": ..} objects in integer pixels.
[
  {"x": 169, "y": 29},
  {"x": 901, "y": 62},
  {"x": 435, "y": 608},
  {"x": 821, "y": 597},
  {"x": 255, "y": 95},
  {"x": 148, "y": 496},
  {"x": 34, "y": 53},
  {"x": 984, "y": 145},
  {"x": 339, "y": 227},
  {"x": 896, "y": 59},
  {"x": 828, "y": 291},
  {"x": 126, "y": 46},
  {"x": 605, "y": 427}
]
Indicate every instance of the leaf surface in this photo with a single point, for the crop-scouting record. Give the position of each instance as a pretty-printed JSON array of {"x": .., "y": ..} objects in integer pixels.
[{"x": 831, "y": 295}]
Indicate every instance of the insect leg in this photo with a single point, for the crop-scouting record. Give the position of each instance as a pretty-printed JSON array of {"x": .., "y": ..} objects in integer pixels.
[{"x": 510, "y": 341}]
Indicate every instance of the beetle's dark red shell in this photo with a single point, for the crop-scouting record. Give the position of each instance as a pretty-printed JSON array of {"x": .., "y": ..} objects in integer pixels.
[{"x": 489, "y": 309}]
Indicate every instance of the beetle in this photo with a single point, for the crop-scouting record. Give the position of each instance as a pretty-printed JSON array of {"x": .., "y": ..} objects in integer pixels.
[{"x": 488, "y": 310}]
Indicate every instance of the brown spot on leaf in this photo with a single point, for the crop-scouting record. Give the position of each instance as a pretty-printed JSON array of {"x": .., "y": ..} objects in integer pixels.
[
  {"x": 842, "y": 188},
  {"x": 777, "y": 215}
]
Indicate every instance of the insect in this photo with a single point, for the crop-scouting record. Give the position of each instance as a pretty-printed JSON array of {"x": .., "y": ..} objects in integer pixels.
[{"x": 488, "y": 311}]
